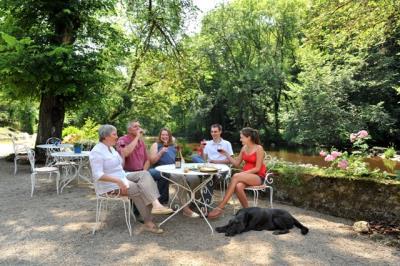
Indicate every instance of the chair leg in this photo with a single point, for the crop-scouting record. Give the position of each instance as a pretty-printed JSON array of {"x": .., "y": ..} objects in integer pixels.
[
  {"x": 270, "y": 196},
  {"x": 255, "y": 200},
  {"x": 98, "y": 212},
  {"x": 33, "y": 177},
  {"x": 57, "y": 181},
  {"x": 15, "y": 165},
  {"x": 127, "y": 218}
]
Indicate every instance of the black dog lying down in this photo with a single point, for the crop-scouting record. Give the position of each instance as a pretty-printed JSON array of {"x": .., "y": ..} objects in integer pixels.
[{"x": 261, "y": 219}]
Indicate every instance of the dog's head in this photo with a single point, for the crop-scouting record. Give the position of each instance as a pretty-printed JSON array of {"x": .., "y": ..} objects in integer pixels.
[{"x": 235, "y": 226}]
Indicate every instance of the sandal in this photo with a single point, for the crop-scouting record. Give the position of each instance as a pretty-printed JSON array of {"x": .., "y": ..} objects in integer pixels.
[
  {"x": 191, "y": 215},
  {"x": 215, "y": 213},
  {"x": 161, "y": 211},
  {"x": 154, "y": 229}
]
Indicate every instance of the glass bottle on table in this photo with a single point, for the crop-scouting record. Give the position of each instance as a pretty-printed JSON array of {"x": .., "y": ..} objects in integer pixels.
[{"x": 178, "y": 159}]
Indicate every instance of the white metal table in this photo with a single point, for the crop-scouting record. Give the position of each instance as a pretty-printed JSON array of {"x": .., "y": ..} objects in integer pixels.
[
  {"x": 54, "y": 146},
  {"x": 50, "y": 148},
  {"x": 69, "y": 155},
  {"x": 204, "y": 177}
]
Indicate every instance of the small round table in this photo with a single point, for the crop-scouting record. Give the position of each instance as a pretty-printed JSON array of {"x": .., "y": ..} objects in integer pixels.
[
  {"x": 53, "y": 148},
  {"x": 69, "y": 155},
  {"x": 191, "y": 169}
]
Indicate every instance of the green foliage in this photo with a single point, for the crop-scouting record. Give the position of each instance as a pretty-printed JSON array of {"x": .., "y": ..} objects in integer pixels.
[
  {"x": 245, "y": 52},
  {"x": 349, "y": 64},
  {"x": 185, "y": 149},
  {"x": 389, "y": 152},
  {"x": 71, "y": 130},
  {"x": 88, "y": 132},
  {"x": 307, "y": 72},
  {"x": 290, "y": 174},
  {"x": 353, "y": 164}
]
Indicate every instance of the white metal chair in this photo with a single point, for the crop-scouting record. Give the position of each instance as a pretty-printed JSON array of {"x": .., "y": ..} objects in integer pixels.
[
  {"x": 49, "y": 159},
  {"x": 41, "y": 170},
  {"x": 270, "y": 163},
  {"x": 112, "y": 197},
  {"x": 20, "y": 152}
]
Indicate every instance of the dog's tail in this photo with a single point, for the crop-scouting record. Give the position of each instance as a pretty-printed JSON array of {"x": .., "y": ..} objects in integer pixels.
[{"x": 304, "y": 230}]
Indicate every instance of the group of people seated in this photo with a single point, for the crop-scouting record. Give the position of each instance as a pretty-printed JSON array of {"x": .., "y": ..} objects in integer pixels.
[{"x": 123, "y": 166}]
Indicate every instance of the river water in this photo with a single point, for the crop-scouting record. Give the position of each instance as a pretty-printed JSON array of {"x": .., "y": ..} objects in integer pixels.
[{"x": 312, "y": 157}]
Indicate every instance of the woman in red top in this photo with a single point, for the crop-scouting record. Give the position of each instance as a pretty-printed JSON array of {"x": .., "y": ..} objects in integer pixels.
[{"x": 253, "y": 171}]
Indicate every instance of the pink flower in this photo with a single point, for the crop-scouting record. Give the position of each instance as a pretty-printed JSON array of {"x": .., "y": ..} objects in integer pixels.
[
  {"x": 343, "y": 164},
  {"x": 336, "y": 154},
  {"x": 329, "y": 158},
  {"x": 322, "y": 153},
  {"x": 353, "y": 137},
  {"x": 362, "y": 134}
]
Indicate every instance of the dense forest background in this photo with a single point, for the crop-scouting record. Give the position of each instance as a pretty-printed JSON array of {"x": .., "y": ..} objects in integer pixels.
[{"x": 303, "y": 72}]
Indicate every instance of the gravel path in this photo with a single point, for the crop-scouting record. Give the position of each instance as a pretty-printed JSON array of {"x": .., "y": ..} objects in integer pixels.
[{"x": 49, "y": 229}]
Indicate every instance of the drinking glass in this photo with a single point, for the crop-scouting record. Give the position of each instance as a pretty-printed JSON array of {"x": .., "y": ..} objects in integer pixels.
[{"x": 219, "y": 148}]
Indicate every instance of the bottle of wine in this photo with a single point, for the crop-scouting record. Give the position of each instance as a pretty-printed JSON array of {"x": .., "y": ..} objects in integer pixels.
[{"x": 178, "y": 158}]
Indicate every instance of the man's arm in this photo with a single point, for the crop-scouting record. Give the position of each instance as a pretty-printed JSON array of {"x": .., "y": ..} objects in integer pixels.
[
  {"x": 146, "y": 165},
  {"x": 128, "y": 149}
]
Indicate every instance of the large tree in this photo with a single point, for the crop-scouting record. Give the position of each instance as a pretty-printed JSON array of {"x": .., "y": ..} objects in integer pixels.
[
  {"x": 249, "y": 49},
  {"x": 350, "y": 68},
  {"x": 55, "y": 52}
]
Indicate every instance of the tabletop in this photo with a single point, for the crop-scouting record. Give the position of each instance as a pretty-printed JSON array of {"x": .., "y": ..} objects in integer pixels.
[
  {"x": 54, "y": 146},
  {"x": 70, "y": 154},
  {"x": 191, "y": 167}
]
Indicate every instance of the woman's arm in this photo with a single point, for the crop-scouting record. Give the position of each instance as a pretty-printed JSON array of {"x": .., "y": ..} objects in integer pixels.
[
  {"x": 155, "y": 155},
  {"x": 259, "y": 162},
  {"x": 235, "y": 162},
  {"x": 96, "y": 163}
]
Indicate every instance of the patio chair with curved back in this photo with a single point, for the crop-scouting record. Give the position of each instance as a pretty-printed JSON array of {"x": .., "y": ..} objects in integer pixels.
[
  {"x": 20, "y": 152},
  {"x": 270, "y": 163},
  {"x": 41, "y": 170},
  {"x": 112, "y": 197},
  {"x": 49, "y": 159},
  {"x": 268, "y": 180}
]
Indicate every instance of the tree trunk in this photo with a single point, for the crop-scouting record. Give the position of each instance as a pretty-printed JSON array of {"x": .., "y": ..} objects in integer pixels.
[{"x": 51, "y": 120}]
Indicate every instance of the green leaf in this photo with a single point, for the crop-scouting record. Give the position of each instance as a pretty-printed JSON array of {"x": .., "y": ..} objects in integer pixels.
[{"x": 10, "y": 40}]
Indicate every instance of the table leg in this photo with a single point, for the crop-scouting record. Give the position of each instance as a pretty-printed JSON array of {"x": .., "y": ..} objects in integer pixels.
[{"x": 192, "y": 197}]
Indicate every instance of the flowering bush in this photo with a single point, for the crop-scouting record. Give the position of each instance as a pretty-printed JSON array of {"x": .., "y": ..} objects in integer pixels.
[
  {"x": 73, "y": 139},
  {"x": 353, "y": 163}
]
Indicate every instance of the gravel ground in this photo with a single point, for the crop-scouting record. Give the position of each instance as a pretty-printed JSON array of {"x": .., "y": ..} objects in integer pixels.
[{"x": 49, "y": 229}]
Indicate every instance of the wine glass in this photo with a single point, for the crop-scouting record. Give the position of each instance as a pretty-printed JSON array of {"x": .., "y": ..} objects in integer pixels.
[
  {"x": 207, "y": 159},
  {"x": 219, "y": 148}
]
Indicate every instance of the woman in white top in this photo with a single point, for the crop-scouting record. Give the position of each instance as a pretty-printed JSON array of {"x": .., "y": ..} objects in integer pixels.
[{"x": 106, "y": 164}]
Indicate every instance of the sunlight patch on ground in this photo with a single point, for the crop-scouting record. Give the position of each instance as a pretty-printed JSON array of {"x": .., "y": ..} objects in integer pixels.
[
  {"x": 28, "y": 251},
  {"x": 359, "y": 248},
  {"x": 124, "y": 248},
  {"x": 69, "y": 214},
  {"x": 45, "y": 228},
  {"x": 75, "y": 227}
]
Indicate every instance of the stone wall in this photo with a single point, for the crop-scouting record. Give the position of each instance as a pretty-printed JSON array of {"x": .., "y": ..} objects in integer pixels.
[{"x": 354, "y": 199}]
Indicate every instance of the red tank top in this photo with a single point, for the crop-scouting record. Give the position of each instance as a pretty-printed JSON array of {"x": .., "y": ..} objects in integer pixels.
[{"x": 250, "y": 162}]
